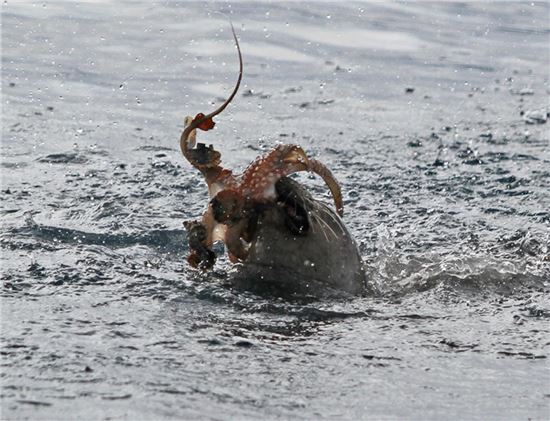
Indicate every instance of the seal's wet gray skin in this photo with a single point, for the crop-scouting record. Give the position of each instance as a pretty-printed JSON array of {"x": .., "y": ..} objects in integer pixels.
[
  {"x": 307, "y": 251},
  {"x": 430, "y": 115}
]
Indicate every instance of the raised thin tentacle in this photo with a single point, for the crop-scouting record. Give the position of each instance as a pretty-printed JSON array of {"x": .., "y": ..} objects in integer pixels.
[
  {"x": 201, "y": 119},
  {"x": 321, "y": 170},
  {"x": 207, "y": 160}
]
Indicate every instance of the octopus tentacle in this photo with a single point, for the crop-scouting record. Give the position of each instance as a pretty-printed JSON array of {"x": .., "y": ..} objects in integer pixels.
[
  {"x": 205, "y": 122},
  {"x": 200, "y": 254},
  {"x": 207, "y": 160},
  {"x": 237, "y": 248},
  {"x": 327, "y": 176},
  {"x": 258, "y": 180},
  {"x": 260, "y": 177}
]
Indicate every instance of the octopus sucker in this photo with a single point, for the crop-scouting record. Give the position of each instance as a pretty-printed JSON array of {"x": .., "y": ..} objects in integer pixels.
[{"x": 266, "y": 220}]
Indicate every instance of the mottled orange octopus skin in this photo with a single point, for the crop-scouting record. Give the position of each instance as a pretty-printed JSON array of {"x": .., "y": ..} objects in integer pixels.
[{"x": 236, "y": 200}]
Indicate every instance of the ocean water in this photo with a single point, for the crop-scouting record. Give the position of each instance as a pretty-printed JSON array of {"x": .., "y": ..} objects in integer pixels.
[{"x": 434, "y": 118}]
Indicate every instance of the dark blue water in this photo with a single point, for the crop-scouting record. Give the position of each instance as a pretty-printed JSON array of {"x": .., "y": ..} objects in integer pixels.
[{"x": 432, "y": 116}]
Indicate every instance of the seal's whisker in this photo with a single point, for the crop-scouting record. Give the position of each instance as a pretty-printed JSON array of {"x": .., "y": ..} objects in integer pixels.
[
  {"x": 325, "y": 225},
  {"x": 329, "y": 228},
  {"x": 333, "y": 217}
]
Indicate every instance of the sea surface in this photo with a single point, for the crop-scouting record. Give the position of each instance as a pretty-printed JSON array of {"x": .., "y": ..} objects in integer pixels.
[{"x": 434, "y": 118}]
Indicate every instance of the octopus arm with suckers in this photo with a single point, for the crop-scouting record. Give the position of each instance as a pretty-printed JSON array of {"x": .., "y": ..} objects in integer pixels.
[{"x": 269, "y": 223}]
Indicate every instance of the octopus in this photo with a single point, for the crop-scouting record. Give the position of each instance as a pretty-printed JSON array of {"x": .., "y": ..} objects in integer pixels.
[{"x": 271, "y": 226}]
